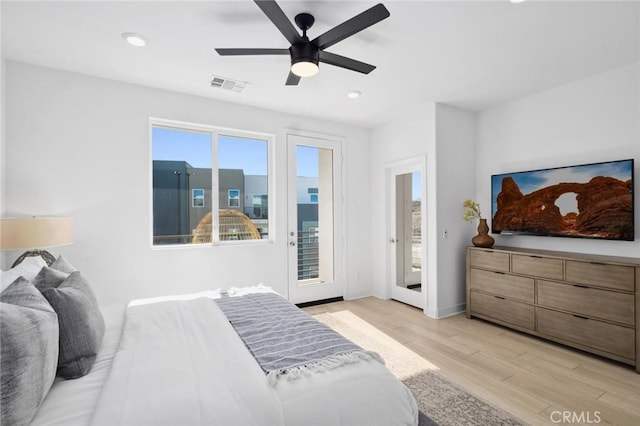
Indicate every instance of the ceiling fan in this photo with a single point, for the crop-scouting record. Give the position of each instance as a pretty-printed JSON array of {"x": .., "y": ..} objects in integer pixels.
[{"x": 305, "y": 54}]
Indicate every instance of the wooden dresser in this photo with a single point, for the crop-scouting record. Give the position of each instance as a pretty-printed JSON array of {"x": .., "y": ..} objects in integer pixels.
[{"x": 586, "y": 301}]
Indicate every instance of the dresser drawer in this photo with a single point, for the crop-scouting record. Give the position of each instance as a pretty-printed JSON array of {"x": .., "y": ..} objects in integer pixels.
[
  {"x": 509, "y": 311},
  {"x": 489, "y": 259},
  {"x": 590, "y": 302},
  {"x": 614, "y": 339},
  {"x": 600, "y": 274},
  {"x": 501, "y": 284},
  {"x": 544, "y": 267}
]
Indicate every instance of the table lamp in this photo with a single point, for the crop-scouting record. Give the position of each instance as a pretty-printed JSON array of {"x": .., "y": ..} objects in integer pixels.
[{"x": 34, "y": 234}]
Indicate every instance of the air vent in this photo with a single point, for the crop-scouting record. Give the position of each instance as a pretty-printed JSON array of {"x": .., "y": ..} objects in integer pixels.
[{"x": 228, "y": 84}]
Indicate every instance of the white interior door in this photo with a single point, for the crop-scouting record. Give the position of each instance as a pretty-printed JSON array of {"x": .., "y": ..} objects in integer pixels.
[
  {"x": 406, "y": 232},
  {"x": 315, "y": 218}
]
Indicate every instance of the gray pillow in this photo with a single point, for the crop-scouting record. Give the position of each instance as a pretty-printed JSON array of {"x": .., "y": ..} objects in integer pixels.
[
  {"x": 62, "y": 264},
  {"x": 49, "y": 277},
  {"x": 81, "y": 325},
  {"x": 29, "y": 335}
]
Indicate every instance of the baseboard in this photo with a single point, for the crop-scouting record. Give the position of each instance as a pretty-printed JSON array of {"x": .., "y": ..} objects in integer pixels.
[
  {"x": 451, "y": 311},
  {"x": 358, "y": 295}
]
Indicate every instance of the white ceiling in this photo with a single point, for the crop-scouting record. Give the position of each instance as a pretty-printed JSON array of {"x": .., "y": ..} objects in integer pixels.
[{"x": 472, "y": 54}]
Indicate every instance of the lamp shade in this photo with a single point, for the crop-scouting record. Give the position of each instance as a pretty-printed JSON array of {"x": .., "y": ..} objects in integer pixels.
[{"x": 37, "y": 232}]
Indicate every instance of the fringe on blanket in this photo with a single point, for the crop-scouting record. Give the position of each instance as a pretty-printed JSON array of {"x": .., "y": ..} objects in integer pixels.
[{"x": 326, "y": 364}]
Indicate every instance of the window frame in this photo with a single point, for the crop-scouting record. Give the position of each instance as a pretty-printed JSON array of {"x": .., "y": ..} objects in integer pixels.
[
  {"x": 216, "y": 132},
  {"x": 198, "y": 197},
  {"x": 234, "y": 198}
]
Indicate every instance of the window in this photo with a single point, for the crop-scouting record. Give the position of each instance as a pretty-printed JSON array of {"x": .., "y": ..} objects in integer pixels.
[
  {"x": 234, "y": 198},
  {"x": 200, "y": 177},
  {"x": 260, "y": 207},
  {"x": 197, "y": 198}
]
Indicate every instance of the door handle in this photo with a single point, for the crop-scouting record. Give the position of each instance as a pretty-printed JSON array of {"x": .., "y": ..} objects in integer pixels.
[{"x": 392, "y": 240}]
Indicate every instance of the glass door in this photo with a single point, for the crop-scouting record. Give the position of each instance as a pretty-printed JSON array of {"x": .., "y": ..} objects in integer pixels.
[{"x": 314, "y": 219}]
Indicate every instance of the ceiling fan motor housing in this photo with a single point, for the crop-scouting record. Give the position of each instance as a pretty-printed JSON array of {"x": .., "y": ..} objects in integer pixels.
[{"x": 304, "y": 52}]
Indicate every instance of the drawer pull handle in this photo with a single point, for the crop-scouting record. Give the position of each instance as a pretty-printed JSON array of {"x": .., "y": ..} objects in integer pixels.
[
  {"x": 597, "y": 263},
  {"x": 580, "y": 316},
  {"x": 581, "y": 286},
  {"x": 500, "y": 273},
  {"x": 536, "y": 257},
  {"x": 499, "y": 297}
]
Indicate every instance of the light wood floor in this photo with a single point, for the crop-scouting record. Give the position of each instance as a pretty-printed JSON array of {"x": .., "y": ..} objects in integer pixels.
[{"x": 536, "y": 380}]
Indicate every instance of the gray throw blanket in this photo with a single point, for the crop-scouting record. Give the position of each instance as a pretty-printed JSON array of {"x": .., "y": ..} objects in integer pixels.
[{"x": 286, "y": 340}]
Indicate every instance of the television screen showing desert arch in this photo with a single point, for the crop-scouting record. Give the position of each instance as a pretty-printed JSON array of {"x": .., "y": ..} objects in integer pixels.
[{"x": 586, "y": 201}]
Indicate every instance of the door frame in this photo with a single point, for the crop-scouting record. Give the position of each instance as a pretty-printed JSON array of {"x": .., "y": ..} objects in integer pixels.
[
  {"x": 392, "y": 169},
  {"x": 316, "y": 291}
]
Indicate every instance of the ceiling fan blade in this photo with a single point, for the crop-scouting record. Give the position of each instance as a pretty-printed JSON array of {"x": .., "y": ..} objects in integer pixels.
[
  {"x": 279, "y": 19},
  {"x": 344, "y": 62},
  {"x": 228, "y": 52},
  {"x": 293, "y": 79},
  {"x": 348, "y": 28}
]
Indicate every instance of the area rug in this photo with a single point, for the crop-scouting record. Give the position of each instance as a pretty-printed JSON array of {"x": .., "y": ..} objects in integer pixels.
[{"x": 440, "y": 401}]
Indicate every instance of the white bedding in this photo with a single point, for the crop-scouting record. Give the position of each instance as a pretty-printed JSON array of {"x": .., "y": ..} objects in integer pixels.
[{"x": 181, "y": 362}]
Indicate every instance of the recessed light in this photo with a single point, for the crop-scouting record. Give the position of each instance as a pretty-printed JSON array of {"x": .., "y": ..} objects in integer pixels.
[
  {"x": 134, "y": 39},
  {"x": 354, "y": 94},
  {"x": 517, "y": 1}
]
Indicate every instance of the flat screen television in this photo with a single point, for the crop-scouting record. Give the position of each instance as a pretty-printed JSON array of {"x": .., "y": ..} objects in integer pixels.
[{"x": 584, "y": 201}]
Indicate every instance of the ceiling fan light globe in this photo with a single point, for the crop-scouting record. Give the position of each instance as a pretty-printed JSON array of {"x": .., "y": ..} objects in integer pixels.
[{"x": 304, "y": 69}]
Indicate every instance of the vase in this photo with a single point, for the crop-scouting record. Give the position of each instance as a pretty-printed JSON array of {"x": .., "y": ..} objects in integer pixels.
[{"x": 483, "y": 239}]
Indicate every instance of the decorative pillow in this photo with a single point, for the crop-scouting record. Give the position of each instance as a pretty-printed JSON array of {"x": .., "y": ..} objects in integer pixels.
[
  {"x": 62, "y": 264},
  {"x": 49, "y": 277},
  {"x": 29, "y": 334},
  {"x": 28, "y": 269},
  {"x": 81, "y": 325}
]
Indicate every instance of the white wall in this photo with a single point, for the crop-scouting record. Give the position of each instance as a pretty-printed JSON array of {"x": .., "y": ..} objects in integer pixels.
[
  {"x": 359, "y": 204},
  {"x": 3, "y": 110},
  {"x": 455, "y": 166},
  {"x": 2, "y": 137},
  {"x": 2, "y": 133},
  {"x": 446, "y": 136},
  {"x": 79, "y": 146},
  {"x": 3, "y": 179},
  {"x": 591, "y": 120}
]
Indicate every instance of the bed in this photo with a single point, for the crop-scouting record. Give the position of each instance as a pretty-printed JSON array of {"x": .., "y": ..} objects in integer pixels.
[{"x": 193, "y": 360}]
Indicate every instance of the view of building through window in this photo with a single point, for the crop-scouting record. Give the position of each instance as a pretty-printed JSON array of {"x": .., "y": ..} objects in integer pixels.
[
  {"x": 181, "y": 183},
  {"x": 184, "y": 208},
  {"x": 308, "y": 170}
]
